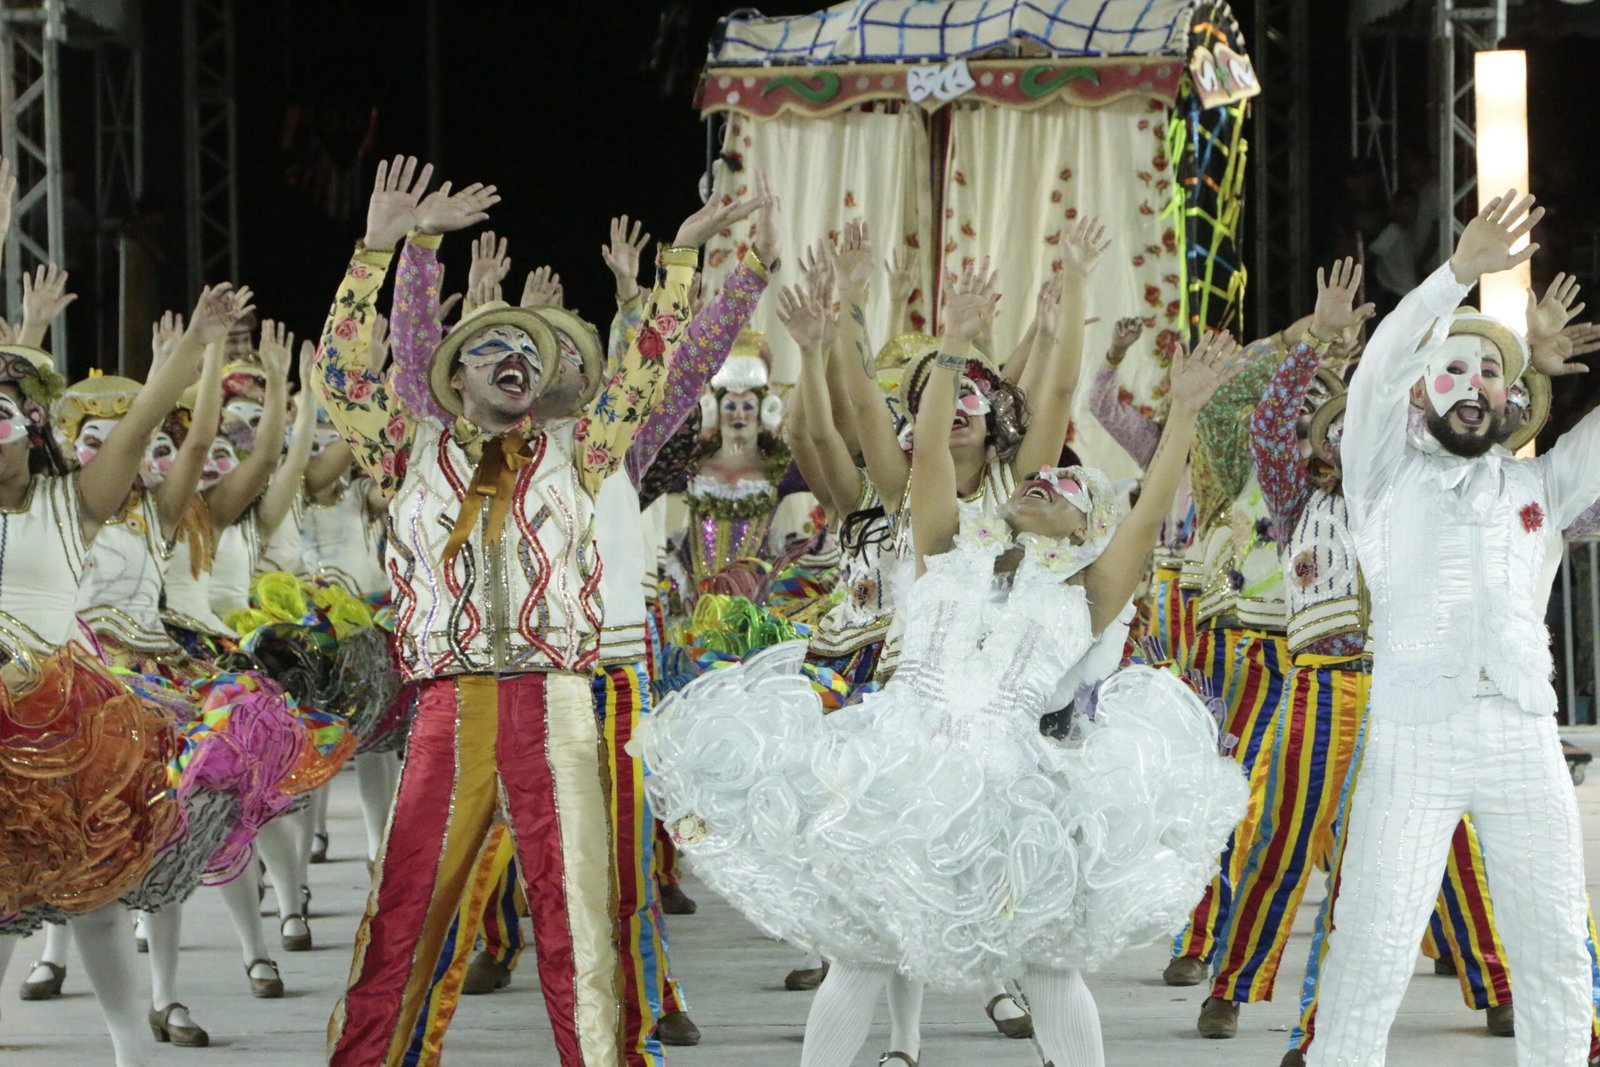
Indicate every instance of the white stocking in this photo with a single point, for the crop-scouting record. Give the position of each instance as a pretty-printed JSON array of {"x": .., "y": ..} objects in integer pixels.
[
  {"x": 841, "y": 1014},
  {"x": 377, "y": 773},
  {"x": 108, "y": 957},
  {"x": 319, "y": 809},
  {"x": 57, "y": 939},
  {"x": 285, "y": 844},
  {"x": 905, "y": 1015},
  {"x": 243, "y": 898},
  {"x": 1066, "y": 1023},
  {"x": 163, "y": 930}
]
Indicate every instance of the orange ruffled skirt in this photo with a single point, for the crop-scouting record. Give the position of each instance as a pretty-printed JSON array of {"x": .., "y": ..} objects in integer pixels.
[{"x": 83, "y": 784}]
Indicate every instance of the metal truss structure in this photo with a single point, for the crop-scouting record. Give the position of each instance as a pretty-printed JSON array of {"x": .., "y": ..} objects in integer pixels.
[
  {"x": 30, "y": 137},
  {"x": 1279, "y": 163},
  {"x": 210, "y": 142},
  {"x": 1460, "y": 29}
]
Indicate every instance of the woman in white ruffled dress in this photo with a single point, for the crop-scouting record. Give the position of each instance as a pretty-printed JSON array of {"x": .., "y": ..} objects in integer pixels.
[{"x": 932, "y": 833}]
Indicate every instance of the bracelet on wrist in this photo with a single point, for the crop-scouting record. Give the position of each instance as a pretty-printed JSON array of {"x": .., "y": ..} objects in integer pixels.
[{"x": 949, "y": 361}]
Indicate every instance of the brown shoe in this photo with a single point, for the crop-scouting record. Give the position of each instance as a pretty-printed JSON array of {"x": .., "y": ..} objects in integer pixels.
[
  {"x": 1218, "y": 1018},
  {"x": 1185, "y": 970},
  {"x": 1293, "y": 1058},
  {"x": 674, "y": 901},
  {"x": 1020, "y": 1028},
  {"x": 805, "y": 978},
  {"x": 48, "y": 989},
  {"x": 319, "y": 848},
  {"x": 675, "y": 1028},
  {"x": 295, "y": 942},
  {"x": 903, "y": 1058},
  {"x": 162, "y": 1026},
  {"x": 485, "y": 974},
  {"x": 1499, "y": 1021},
  {"x": 264, "y": 988},
  {"x": 1444, "y": 968}
]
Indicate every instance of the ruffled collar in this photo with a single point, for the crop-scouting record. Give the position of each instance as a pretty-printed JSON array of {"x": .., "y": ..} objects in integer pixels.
[{"x": 1472, "y": 485}]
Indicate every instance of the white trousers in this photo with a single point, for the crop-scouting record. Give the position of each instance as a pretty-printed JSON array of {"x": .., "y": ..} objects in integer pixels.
[{"x": 1505, "y": 768}]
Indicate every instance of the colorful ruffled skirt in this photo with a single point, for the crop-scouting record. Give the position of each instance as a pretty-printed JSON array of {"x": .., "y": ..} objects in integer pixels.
[{"x": 84, "y": 787}]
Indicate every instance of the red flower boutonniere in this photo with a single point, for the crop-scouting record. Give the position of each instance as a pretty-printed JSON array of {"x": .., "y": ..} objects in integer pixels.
[{"x": 1532, "y": 516}]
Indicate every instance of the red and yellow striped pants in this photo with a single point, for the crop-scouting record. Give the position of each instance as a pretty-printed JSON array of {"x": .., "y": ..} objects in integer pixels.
[
  {"x": 1247, "y": 670},
  {"x": 528, "y": 749},
  {"x": 1172, "y": 615},
  {"x": 621, "y": 699}
]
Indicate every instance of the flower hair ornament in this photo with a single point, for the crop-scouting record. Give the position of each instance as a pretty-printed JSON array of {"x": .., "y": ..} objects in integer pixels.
[
  {"x": 33, "y": 372},
  {"x": 1094, "y": 494}
]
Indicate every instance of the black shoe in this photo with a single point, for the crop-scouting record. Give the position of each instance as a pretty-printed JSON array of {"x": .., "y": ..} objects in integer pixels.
[
  {"x": 485, "y": 974},
  {"x": 675, "y": 901},
  {"x": 675, "y": 1028}
]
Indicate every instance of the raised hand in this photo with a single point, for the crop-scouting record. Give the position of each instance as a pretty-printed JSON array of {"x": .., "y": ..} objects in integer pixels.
[
  {"x": 218, "y": 308},
  {"x": 489, "y": 261},
  {"x": 713, "y": 218},
  {"x": 1549, "y": 316},
  {"x": 853, "y": 263},
  {"x": 444, "y": 211},
  {"x": 542, "y": 290},
  {"x": 276, "y": 345},
  {"x": 1336, "y": 317},
  {"x": 1197, "y": 375},
  {"x": 392, "y": 211},
  {"x": 1126, "y": 333},
  {"x": 308, "y": 361},
  {"x": 8, "y": 332},
  {"x": 1556, "y": 356},
  {"x": 968, "y": 303},
  {"x": 817, "y": 270},
  {"x": 804, "y": 316},
  {"x": 1047, "y": 309},
  {"x": 442, "y": 312},
  {"x": 902, "y": 267},
  {"x": 622, "y": 255},
  {"x": 768, "y": 239},
  {"x": 1083, "y": 245},
  {"x": 44, "y": 298},
  {"x": 484, "y": 293},
  {"x": 165, "y": 334},
  {"x": 1485, "y": 245}
]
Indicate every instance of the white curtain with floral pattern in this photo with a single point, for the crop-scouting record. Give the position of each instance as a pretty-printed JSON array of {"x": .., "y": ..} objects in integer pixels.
[
  {"x": 1016, "y": 178},
  {"x": 871, "y": 165}
]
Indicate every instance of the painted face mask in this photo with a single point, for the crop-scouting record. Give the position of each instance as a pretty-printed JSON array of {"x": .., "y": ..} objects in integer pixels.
[
  {"x": 1066, "y": 487},
  {"x": 159, "y": 456},
  {"x": 91, "y": 437},
  {"x": 972, "y": 404},
  {"x": 220, "y": 462},
  {"x": 240, "y": 419},
  {"x": 1454, "y": 374},
  {"x": 324, "y": 437},
  {"x": 14, "y": 425}
]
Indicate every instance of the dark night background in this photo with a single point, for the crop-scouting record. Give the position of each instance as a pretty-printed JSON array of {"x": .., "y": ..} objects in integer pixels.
[{"x": 561, "y": 106}]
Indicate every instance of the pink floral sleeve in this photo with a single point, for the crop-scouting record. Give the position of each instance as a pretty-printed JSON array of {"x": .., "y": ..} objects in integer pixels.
[
  {"x": 1137, "y": 434},
  {"x": 414, "y": 332},
  {"x": 705, "y": 346}
]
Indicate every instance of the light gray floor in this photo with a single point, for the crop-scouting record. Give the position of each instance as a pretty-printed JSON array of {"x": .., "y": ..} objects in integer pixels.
[{"x": 733, "y": 977}]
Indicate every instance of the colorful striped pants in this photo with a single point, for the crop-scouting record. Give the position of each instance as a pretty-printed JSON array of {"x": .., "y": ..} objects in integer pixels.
[
  {"x": 621, "y": 698},
  {"x": 1462, "y": 913},
  {"x": 1172, "y": 614},
  {"x": 1247, "y": 670},
  {"x": 528, "y": 746}
]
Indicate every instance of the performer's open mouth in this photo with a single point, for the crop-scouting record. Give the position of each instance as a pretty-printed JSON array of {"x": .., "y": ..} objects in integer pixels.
[
  {"x": 1471, "y": 413},
  {"x": 961, "y": 422},
  {"x": 513, "y": 377},
  {"x": 1037, "y": 491}
]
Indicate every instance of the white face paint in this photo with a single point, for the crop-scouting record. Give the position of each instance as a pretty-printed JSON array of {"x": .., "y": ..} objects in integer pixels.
[
  {"x": 240, "y": 419},
  {"x": 1454, "y": 374},
  {"x": 13, "y": 423},
  {"x": 219, "y": 462},
  {"x": 159, "y": 456},
  {"x": 323, "y": 438},
  {"x": 91, "y": 436}
]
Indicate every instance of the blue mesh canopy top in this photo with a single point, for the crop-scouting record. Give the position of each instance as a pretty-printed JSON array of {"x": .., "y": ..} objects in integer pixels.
[{"x": 864, "y": 31}]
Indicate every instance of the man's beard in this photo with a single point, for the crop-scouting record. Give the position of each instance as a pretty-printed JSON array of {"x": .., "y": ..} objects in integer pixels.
[{"x": 1469, "y": 445}]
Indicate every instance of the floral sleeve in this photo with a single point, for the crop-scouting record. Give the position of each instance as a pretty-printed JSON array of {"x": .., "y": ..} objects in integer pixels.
[
  {"x": 605, "y": 431},
  {"x": 1585, "y": 525},
  {"x": 1275, "y": 443},
  {"x": 414, "y": 332},
  {"x": 624, "y": 328},
  {"x": 706, "y": 344},
  {"x": 359, "y": 402},
  {"x": 1137, "y": 434},
  {"x": 1221, "y": 464}
]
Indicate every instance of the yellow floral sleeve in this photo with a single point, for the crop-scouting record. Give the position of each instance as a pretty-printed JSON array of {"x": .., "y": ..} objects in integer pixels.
[
  {"x": 633, "y": 390},
  {"x": 359, "y": 401}
]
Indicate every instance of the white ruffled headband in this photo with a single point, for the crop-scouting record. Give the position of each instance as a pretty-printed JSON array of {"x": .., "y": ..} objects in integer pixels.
[{"x": 742, "y": 373}]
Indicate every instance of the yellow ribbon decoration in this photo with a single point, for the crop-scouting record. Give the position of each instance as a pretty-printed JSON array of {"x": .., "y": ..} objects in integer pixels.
[{"x": 494, "y": 480}]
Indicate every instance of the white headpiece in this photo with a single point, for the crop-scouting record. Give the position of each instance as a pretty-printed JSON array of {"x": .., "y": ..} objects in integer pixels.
[{"x": 742, "y": 374}]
